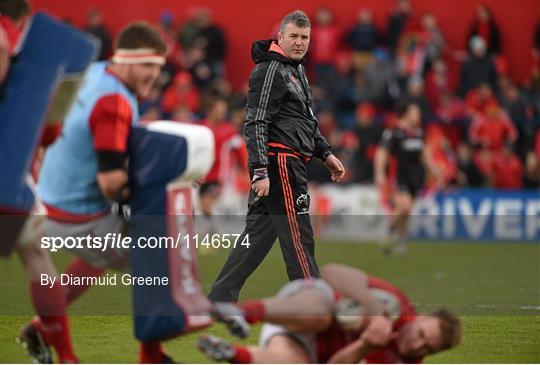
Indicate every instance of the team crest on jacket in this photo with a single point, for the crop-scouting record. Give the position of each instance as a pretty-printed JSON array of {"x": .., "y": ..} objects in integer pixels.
[{"x": 302, "y": 202}]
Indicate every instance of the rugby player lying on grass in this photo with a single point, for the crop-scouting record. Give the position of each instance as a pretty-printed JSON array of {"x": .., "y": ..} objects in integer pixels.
[{"x": 346, "y": 317}]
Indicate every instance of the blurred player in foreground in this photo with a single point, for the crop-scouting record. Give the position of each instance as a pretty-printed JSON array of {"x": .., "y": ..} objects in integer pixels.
[
  {"x": 85, "y": 170},
  {"x": 405, "y": 145},
  {"x": 13, "y": 18},
  {"x": 345, "y": 317}
]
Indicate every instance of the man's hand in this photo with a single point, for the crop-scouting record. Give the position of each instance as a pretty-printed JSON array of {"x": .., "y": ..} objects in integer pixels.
[
  {"x": 377, "y": 334},
  {"x": 261, "y": 187},
  {"x": 260, "y": 182},
  {"x": 334, "y": 165},
  {"x": 113, "y": 184},
  {"x": 378, "y": 331}
]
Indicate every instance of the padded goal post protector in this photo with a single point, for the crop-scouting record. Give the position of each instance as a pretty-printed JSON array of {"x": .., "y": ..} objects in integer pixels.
[
  {"x": 165, "y": 158},
  {"x": 50, "y": 54}
]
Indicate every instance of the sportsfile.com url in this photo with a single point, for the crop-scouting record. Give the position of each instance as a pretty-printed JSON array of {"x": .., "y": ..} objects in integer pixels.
[{"x": 120, "y": 241}]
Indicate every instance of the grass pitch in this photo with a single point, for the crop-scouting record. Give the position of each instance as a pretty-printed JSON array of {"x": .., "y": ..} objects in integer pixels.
[{"x": 495, "y": 288}]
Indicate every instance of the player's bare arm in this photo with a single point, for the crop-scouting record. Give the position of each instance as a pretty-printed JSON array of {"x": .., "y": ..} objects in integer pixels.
[
  {"x": 380, "y": 162},
  {"x": 351, "y": 283}
]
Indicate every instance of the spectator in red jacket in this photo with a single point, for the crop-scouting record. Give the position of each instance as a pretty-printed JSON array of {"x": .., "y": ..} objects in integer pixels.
[
  {"x": 181, "y": 93},
  {"x": 436, "y": 83},
  {"x": 443, "y": 158},
  {"x": 453, "y": 116},
  {"x": 477, "y": 99},
  {"x": 491, "y": 132},
  {"x": 507, "y": 170},
  {"x": 324, "y": 46},
  {"x": 493, "y": 129}
]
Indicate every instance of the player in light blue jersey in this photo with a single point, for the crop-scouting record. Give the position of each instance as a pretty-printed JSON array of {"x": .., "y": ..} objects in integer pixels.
[{"x": 84, "y": 171}]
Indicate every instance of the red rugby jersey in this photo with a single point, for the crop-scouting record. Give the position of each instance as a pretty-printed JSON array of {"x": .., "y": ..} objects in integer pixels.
[{"x": 335, "y": 338}]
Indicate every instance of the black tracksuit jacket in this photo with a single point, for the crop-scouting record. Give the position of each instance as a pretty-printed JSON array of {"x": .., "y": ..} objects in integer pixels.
[{"x": 279, "y": 108}]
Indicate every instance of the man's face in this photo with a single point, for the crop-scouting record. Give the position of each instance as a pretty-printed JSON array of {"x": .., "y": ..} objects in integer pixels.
[
  {"x": 404, "y": 6},
  {"x": 219, "y": 111},
  {"x": 482, "y": 13},
  {"x": 365, "y": 17},
  {"x": 484, "y": 91},
  {"x": 419, "y": 338},
  {"x": 294, "y": 41},
  {"x": 141, "y": 77},
  {"x": 414, "y": 116}
]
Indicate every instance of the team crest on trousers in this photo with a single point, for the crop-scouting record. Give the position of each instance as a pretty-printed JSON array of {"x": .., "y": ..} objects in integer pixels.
[{"x": 302, "y": 202}]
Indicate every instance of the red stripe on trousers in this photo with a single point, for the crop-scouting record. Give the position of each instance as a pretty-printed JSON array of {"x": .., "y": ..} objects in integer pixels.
[
  {"x": 289, "y": 205},
  {"x": 293, "y": 216},
  {"x": 294, "y": 220}
]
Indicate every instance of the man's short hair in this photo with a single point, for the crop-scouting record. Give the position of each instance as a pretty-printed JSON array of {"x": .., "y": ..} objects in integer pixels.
[
  {"x": 213, "y": 101},
  {"x": 403, "y": 106},
  {"x": 298, "y": 18},
  {"x": 450, "y": 326},
  {"x": 140, "y": 35},
  {"x": 15, "y": 9}
]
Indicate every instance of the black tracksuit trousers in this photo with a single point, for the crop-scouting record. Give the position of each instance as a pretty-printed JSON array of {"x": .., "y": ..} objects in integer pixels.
[{"x": 282, "y": 214}]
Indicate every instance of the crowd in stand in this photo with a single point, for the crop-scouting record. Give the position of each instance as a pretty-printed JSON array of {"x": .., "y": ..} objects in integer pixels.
[{"x": 483, "y": 130}]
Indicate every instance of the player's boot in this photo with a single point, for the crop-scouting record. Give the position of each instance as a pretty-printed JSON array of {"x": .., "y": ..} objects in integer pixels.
[
  {"x": 167, "y": 359},
  {"x": 399, "y": 249},
  {"x": 34, "y": 344},
  {"x": 232, "y": 317},
  {"x": 387, "y": 244},
  {"x": 216, "y": 348}
]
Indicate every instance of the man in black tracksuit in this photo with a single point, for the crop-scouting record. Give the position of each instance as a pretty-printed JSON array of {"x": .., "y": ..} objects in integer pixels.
[{"x": 282, "y": 135}]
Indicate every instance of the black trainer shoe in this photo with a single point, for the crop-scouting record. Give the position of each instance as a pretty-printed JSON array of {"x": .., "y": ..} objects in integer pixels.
[
  {"x": 232, "y": 317},
  {"x": 167, "y": 359},
  {"x": 216, "y": 348},
  {"x": 34, "y": 344}
]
